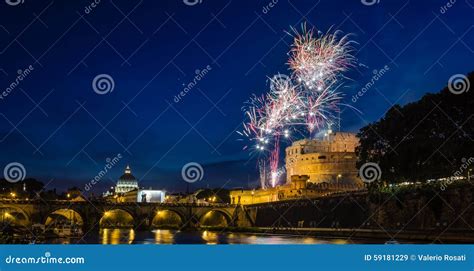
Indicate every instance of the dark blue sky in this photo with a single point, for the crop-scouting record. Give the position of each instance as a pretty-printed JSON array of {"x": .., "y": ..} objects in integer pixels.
[{"x": 62, "y": 131}]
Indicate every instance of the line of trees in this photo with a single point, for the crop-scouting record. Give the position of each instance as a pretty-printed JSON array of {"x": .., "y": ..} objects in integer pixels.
[
  {"x": 428, "y": 139},
  {"x": 33, "y": 189}
]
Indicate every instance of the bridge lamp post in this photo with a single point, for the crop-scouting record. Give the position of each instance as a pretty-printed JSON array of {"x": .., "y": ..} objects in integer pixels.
[
  {"x": 4, "y": 216},
  {"x": 338, "y": 177}
]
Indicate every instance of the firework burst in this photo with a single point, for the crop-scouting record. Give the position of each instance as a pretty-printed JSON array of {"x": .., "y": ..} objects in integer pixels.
[{"x": 318, "y": 59}]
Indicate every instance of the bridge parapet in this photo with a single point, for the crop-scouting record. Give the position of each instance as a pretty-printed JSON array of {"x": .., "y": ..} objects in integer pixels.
[{"x": 91, "y": 213}]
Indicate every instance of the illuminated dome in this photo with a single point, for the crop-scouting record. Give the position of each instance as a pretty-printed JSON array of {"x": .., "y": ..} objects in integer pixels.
[
  {"x": 126, "y": 182},
  {"x": 127, "y": 176}
]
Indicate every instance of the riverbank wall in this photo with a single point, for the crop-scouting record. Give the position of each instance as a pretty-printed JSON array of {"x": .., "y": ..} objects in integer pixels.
[{"x": 428, "y": 214}]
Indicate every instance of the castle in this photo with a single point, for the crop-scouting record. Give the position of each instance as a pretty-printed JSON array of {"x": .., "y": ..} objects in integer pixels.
[
  {"x": 314, "y": 168},
  {"x": 329, "y": 160}
]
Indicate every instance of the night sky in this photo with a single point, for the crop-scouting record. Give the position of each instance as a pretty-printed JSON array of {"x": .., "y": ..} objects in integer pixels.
[{"x": 62, "y": 131}]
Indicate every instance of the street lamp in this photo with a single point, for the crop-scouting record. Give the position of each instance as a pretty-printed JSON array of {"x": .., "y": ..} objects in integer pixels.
[
  {"x": 5, "y": 215},
  {"x": 338, "y": 177}
]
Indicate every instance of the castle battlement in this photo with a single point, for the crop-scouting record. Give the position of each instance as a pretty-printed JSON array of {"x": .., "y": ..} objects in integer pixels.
[
  {"x": 331, "y": 159},
  {"x": 297, "y": 188}
]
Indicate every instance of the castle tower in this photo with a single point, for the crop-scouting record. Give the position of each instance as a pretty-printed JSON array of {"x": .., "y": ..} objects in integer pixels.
[{"x": 331, "y": 159}]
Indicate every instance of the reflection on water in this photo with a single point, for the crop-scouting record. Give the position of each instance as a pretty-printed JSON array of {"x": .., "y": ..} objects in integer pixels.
[
  {"x": 130, "y": 236},
  {"x": 117, "y": 236},
  {"x": 163, "y": 237},
  {"x": 211, "y": 238}
]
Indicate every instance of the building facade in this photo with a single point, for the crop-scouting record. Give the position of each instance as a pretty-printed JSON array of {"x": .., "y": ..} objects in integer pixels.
[
  {"x": 127, "y": 182},
  {"x": 297, "y": 188},
  {"x": 331, "y": 159},
  {"x": 142, "y": 196}
]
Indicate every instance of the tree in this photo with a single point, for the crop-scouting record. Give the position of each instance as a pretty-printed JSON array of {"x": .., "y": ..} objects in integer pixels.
[
  {"x": 427, "y": 139},
  {"x": 26, "y": 188}
]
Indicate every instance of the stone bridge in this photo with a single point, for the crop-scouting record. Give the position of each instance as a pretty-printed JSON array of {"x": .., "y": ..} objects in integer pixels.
[{"x": 90, "y": 215}]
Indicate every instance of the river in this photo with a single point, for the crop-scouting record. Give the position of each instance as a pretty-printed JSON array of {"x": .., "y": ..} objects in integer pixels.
[{"x": 130, "y": 236}]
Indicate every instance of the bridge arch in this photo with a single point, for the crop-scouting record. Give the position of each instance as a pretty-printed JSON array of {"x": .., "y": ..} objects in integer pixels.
[
  {"x": 215, "y": 218},
  {"x": 116, "y": 218},
  {"x": 14, "y": 215},
  {"x": 167, "y": 219},
  {"x": 64, "y": 216}
]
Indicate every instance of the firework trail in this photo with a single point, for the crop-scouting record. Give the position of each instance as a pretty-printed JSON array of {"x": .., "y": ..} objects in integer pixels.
[
  {"x": 263, "y": 173},
  {"x": 274, "y": 161}
]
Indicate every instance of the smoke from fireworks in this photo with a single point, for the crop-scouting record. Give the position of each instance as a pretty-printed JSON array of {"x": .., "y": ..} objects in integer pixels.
[{"x": 309, "y": 98}]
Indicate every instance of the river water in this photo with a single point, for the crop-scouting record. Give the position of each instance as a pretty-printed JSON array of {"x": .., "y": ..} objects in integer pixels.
[{"x": 129, "y": 236}]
